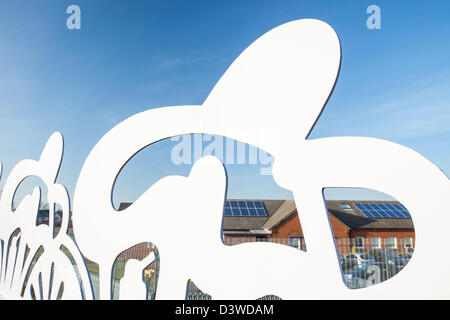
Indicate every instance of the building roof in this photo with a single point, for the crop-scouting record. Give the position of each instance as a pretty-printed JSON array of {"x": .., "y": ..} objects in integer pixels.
[
  {"x": 355, "y": 219},
  {"x": 242, "y": 225},
  {"x": 286, "y": 209},
  {"x": 280, "y": 210},
  {"x": 251, "y": 223}
]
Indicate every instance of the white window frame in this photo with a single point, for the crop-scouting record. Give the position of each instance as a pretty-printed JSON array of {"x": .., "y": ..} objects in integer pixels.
[
  {"x": 411, "y": 246},
  {"x": 378, "y": 246},
  {"x": 356, "y": 242},
  {"x": 387, "y": 243},
  {"x": 299, "y": 241}
]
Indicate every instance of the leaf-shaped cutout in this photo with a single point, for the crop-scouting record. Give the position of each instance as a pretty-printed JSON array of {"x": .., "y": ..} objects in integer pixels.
[
  {"x": 374, "y": 238},
  {"x": 135, "y": 272}
]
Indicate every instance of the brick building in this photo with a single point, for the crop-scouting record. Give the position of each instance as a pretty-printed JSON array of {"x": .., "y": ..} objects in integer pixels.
[{"x": 357, "y": 225}]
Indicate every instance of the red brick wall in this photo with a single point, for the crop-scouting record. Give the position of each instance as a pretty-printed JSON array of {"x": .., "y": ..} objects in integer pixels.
[
  {"x": 289, "y": 228},
  {"x": 340, "y": 230},
  {"x": 292, "y": 227},
  {"x": 384, "y": 234},
  {"x": 230, "y": 239}
]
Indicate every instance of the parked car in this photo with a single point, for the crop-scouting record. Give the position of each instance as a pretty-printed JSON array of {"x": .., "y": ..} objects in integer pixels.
[
  {"x": 406, "y": 256},
  {"x": 388, "y": 256},
  {"x": 42, "y": 218},
  {"x": 348, "y": 264},
  {"x": 360, "y": 257}
]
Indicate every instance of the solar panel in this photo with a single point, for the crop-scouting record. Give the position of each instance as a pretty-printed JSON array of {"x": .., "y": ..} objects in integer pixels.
[
  {"x": 382, "y": 214},
  {"x": 360, "y": 206},
  {"x": 244, "y": 212},
  {"x": 369, "y": 214},
  {"x": 236, "y": 212},
  {"x": 261, "y": 212},
  {"x": 379, "y": 214},
  {"x": 405, "y": 213},
  {"x": 396, "y": 214},
  {"x": 244, "y": 209},
  {"x": 383, "y": 210},
  {"x": 259, "y": 205}
]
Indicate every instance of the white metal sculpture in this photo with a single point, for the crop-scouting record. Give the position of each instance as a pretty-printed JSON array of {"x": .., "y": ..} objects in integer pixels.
[
  {"x": 284, "y": 80},
  {"x": 22, "y": 241}
]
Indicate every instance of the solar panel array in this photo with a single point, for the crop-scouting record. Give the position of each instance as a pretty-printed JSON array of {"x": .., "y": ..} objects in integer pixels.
[
  {"x": 244, "y": 209},
  {"x": 383, "y": 210}
]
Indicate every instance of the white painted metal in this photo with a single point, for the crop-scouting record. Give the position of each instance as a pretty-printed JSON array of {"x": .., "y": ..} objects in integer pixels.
[{"x": 22, "y": 238}]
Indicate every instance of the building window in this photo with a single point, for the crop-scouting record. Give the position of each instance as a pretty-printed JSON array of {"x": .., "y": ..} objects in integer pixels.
[
  {"x": 346, "y": 206},
  {"x": 359, "y": 243},
  {"x": 261, "y": 239},
  {"x": 376, "y": 243},
  {"x": 391, "y": 243},
  {"x": 295, "y": 242},
  {"x": 407, "y": 242}
]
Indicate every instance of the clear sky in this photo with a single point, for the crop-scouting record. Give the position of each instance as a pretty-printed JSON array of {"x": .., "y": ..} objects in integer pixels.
[{"x": 130, "y": 56}]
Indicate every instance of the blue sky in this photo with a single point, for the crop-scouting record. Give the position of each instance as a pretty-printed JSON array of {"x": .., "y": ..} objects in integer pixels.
[{"x": 130, "y": 56}]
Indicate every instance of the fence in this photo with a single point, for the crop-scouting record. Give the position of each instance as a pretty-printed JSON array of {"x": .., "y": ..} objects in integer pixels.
[
  {"x": 296, "y": 242},
  {"x": 364, "y": 261},
  {"x": 398, "y": 245}
]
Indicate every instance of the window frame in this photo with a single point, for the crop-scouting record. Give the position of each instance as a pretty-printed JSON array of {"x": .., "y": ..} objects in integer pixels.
[
  {"x": 411, "y": 245},
  {"x": 387, "y": 243},
  {"x": 379, "y": 243},
  {"x": 299, "y": 243},
  {"x": 356, "y": 243},
  {"x": 261, "y": 239}
]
